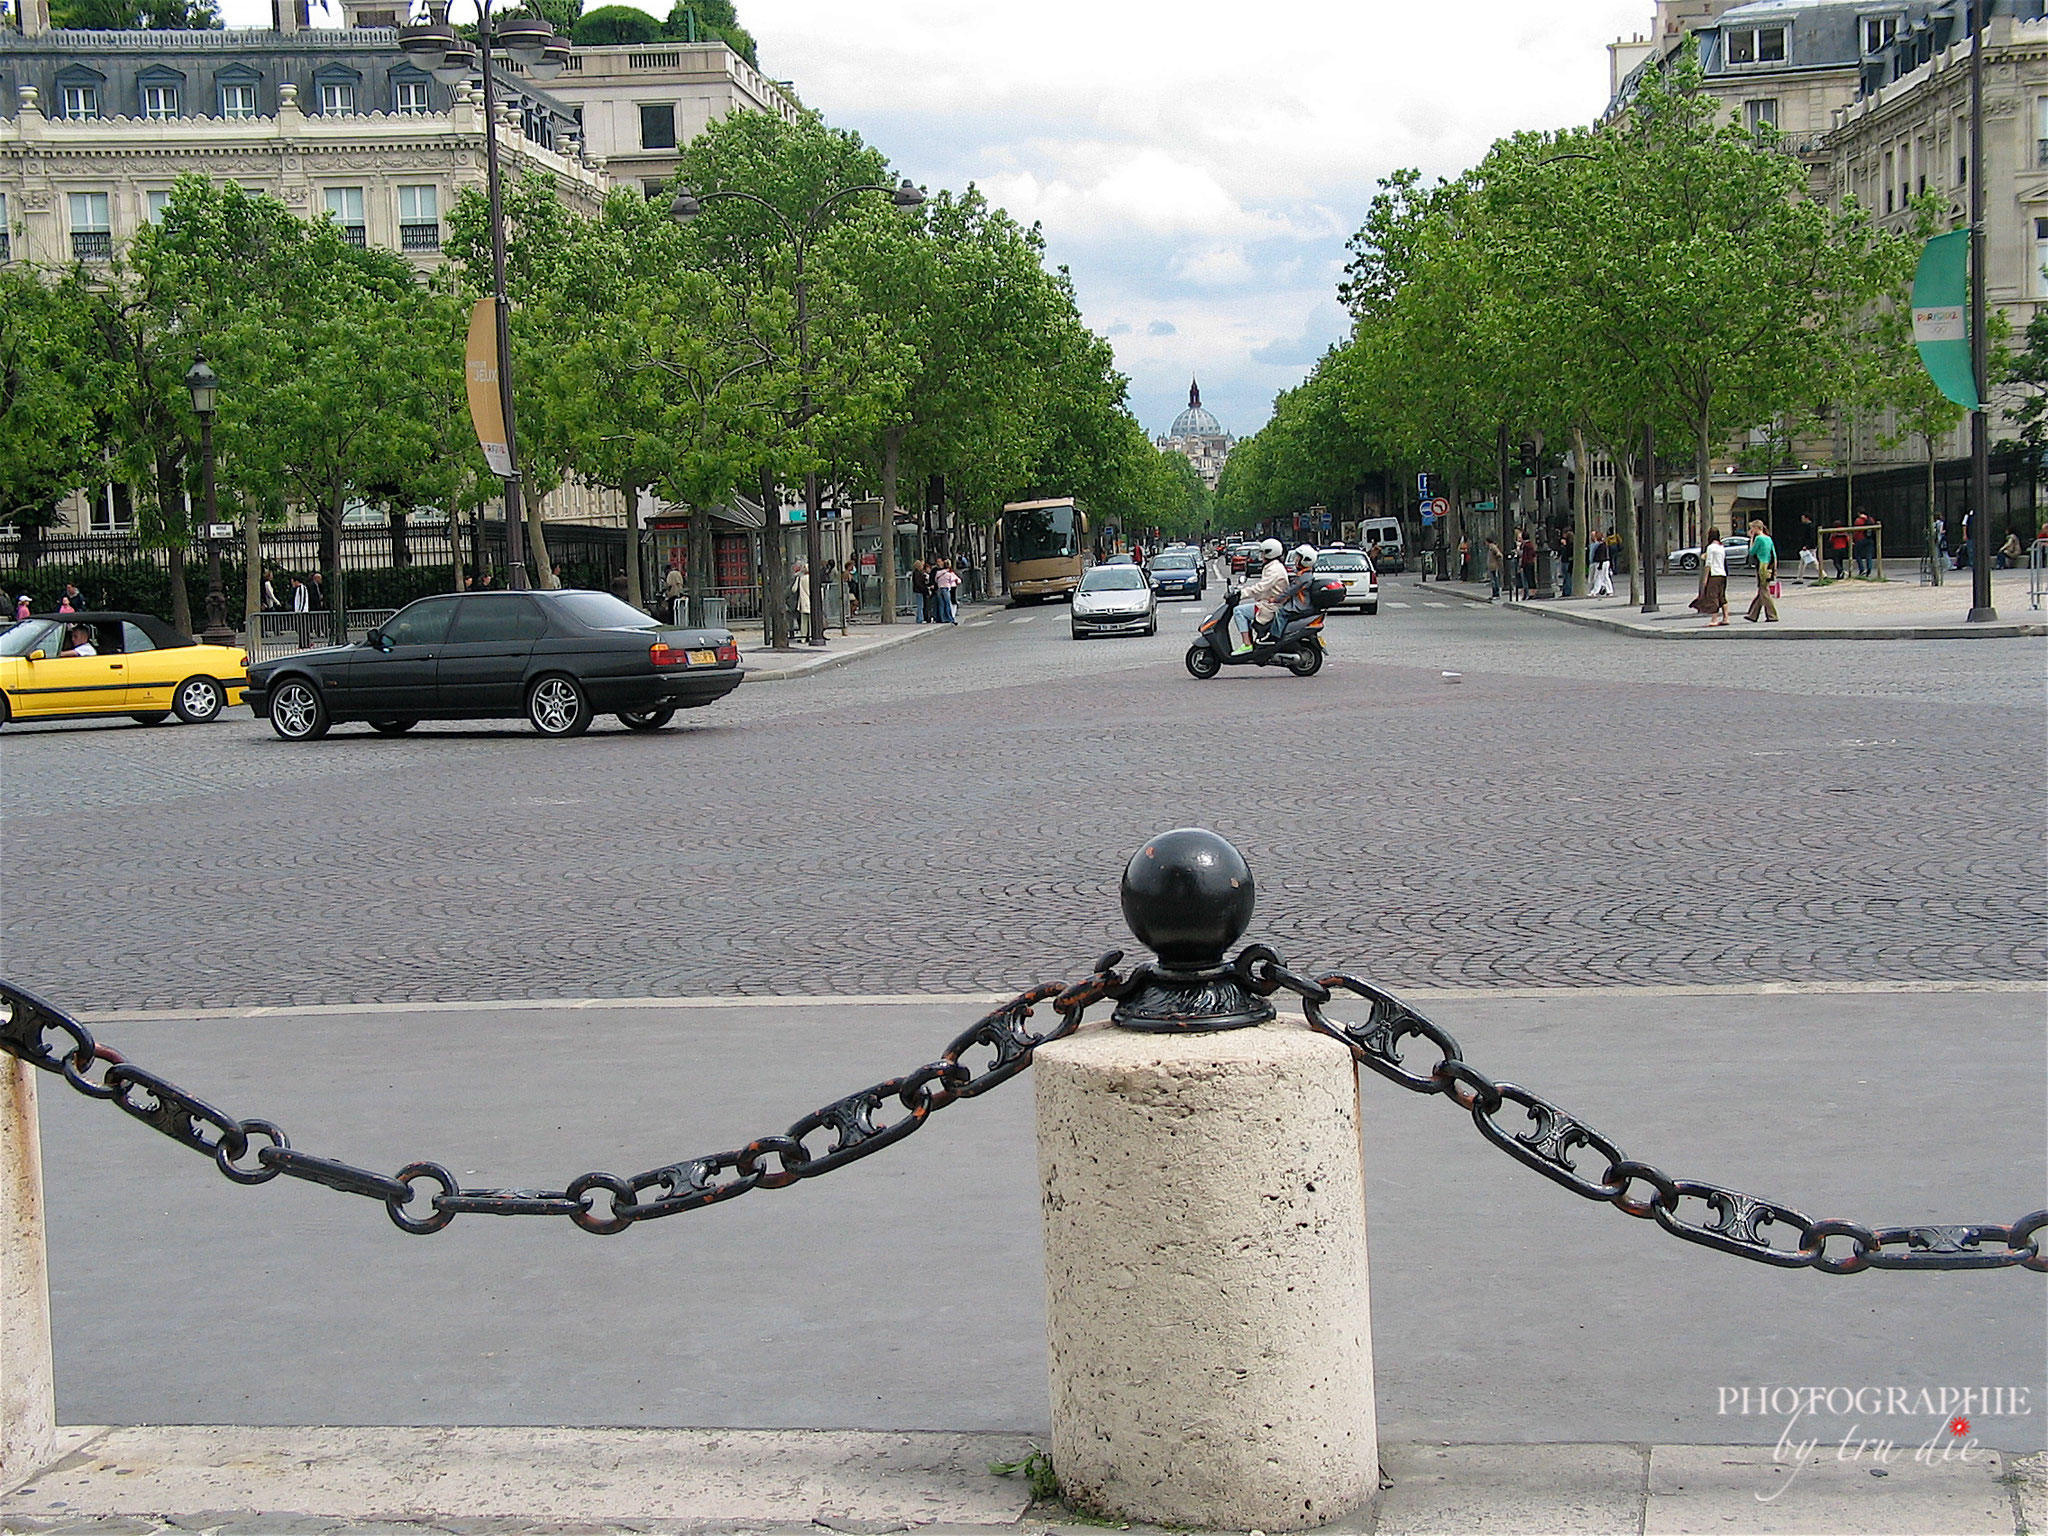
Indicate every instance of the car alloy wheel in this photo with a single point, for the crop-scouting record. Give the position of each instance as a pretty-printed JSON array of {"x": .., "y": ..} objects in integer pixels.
[
  {"x": 645, "y": 719},
  {"x": 557, "y": 707},
  {"x": 198, "y": 700},
  {"x": 297, "y": 712}
]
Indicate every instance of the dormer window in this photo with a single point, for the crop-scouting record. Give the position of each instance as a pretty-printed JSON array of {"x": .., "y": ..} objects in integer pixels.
[
  {"x": 1879, "y": 33},
  {"x": 1754, "y": 45}
]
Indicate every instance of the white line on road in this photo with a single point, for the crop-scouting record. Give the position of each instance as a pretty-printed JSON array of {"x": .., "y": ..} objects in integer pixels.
[
  {"x": 980, "y": 623},
  {"x": 1024, "y": 618},
  {"x": 1392, "y": 604},
  {"x": 931, "y": 999},
  {"x": 1428, "y": 604}
]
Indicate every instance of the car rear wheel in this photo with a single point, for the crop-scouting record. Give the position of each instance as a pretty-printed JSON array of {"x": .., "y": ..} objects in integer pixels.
[
  {"x": 1372, "y": 607},
  {"x": 392, "y": 727},
  {"x": 1202, "y": 660},
  {"x": 645, "y": 719},
  {"x": 154, "y": 717},
  {"x": 199, "y": 700},
  {"x": 557, "y": 706},
  {"x": 297, "y": 712}
]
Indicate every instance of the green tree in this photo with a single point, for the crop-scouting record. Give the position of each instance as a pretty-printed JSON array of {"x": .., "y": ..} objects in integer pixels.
[
  {"x": 697, "y": 20},
  {"x": 50, "y": 437},
  {"x": 133, "y": 15},
  {"x": 614, "y": 25}
]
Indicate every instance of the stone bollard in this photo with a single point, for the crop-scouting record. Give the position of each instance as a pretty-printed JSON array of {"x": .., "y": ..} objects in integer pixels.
[
  {"x": 28, "y": 1403},
  {"x": 1204, "y": 1210}
]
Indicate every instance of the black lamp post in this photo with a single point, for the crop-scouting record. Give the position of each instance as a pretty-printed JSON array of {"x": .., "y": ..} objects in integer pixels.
[
  {"x": 685, "y": 206},
  {"x": 204, "y": 384},
  {"x": 452, "y": 59}
]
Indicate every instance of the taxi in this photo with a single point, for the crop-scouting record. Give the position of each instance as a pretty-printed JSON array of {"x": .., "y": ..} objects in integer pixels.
[{"x": 138, "y": 666}]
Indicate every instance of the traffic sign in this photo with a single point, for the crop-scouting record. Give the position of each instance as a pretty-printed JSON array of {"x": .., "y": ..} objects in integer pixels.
[{"x": 1440, "y": 507}]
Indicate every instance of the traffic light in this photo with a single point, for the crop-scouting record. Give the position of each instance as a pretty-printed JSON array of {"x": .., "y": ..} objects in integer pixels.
[{"x": 1528, "y": 461}]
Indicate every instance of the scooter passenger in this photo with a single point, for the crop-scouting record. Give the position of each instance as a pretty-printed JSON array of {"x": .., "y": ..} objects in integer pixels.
[{"x": 1262, "y": 592}]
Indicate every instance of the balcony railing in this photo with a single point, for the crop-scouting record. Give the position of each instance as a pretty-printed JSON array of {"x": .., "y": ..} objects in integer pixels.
[
  {"x": 419, "y": 237},
  {"x": 4, "y": 253},
  {"x": 92, "y": 245},
  {"x": 356, "y": 235}
]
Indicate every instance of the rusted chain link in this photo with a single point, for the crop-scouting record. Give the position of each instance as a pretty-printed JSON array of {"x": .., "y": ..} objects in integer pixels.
[
  {"x": 850, "y": 1128},
  {"x": 1730, "y": 1221}
]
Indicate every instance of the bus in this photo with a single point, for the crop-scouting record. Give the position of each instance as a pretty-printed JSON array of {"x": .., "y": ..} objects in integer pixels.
[{"x": 1045, "y": 548}]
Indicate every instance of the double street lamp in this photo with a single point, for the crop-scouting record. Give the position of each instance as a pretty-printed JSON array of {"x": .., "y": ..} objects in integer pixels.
[
  {"x": 452, "y": 58},
  {"x": 204, "y": 386},
  {"x": 684, "y": 207}
]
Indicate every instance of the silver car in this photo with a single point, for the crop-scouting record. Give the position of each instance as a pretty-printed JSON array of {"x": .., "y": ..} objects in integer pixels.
[{"x": 1114, "y": 600}]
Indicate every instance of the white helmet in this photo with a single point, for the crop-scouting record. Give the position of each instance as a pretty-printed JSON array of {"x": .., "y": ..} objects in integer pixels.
[
  {"x": 1270, "y": 550},
  {"x": 1305, "y": 556}
]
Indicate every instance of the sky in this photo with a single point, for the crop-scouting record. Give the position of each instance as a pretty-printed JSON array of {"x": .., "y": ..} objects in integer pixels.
[{"x": 1197, "y": 166}]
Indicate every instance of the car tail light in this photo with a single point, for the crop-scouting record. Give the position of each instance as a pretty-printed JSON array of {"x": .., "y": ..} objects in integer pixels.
[
  {"x": 660, "y": 654},
  {"x": 729, "y": 651}
]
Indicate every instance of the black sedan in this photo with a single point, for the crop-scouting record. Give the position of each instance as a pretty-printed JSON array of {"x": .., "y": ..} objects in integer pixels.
[{"x": 558, "y": 658}]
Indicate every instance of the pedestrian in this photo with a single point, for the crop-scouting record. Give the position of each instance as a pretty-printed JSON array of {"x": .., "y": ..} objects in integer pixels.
[
  {"x": 800, "y": 596},
  {"x": 302, "y": 605},
  {"x": 1866, "y": 545},
  {"x": 1601, "y": 557},
  {"x": 2009, "y": 552},
  {"x": 1765, "y": 553},
  {"x": 319, "y": 592},
  {"x": 1966, "y": 551},
  {"x": 1838, "y": 552},
  {"x": 21, "y": 607},
  {"x": 970, "y": 587},
  {"x": 270, "y": 602},
  {"x": 853, "y": 588},
  {"x": 948, "y": 584},
  {"x": 1941, "y": 536},
  {"x": 674, "y": 585},
  {"x": 921, "y": 590},
  {"x": 1525, "y": 567},
  {"x": 1809, "y": 560},
  {"x": 1494, "y": 561},
  {"x": 1564, "y": 562},
  {"x": 1464, "y": 559},
  {"x": 1712, "y": 599}
]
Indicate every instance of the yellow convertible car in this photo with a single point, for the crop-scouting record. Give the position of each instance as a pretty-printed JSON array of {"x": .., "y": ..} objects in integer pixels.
[{"x": 56, "y": 666}]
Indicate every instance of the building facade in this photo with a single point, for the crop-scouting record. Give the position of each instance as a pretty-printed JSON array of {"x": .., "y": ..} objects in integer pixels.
[{"x": 1199, "y": 438}]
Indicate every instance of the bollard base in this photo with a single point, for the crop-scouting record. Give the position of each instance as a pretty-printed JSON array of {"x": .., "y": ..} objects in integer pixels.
[
  {"x": 1207, "y": 1301},
  {"x": 28, "y": 1399}
]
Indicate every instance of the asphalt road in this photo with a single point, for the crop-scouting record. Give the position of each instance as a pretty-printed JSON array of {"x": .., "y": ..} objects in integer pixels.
[{"x": 1579, "y": 810}]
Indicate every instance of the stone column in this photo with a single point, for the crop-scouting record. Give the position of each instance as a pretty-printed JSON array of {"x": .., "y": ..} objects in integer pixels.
[
  {"x": 28, "y": 1404},
  {"x": 1204, "y": 1209}
]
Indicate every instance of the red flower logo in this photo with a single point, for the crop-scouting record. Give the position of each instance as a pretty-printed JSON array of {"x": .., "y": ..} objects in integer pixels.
[{"x": 1959, "y": 1426}]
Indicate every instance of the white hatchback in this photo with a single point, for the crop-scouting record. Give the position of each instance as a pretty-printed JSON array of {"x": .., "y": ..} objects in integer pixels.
[{"x": 1361, "y": 581}]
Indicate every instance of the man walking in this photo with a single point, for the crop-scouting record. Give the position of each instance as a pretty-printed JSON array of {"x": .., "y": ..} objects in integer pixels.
[
  {"x": 1765, "y": 554},
  {"x": 1602, "y": 560}
]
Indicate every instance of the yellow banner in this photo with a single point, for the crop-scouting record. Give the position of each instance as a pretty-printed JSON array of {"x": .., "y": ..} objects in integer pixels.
[{"x": 480, "y": 367}]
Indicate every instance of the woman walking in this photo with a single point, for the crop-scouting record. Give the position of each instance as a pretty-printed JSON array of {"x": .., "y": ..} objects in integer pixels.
[
  {"x": 1765, "y": 553},
  {"x": 1713, "y": 595},
  {"x": 1601, "y": 557},
  {"x": 1525, "y": 582}
]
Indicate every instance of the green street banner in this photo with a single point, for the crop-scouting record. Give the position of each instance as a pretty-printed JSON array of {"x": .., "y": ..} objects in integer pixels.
[{"x": 1941, "y": 308}]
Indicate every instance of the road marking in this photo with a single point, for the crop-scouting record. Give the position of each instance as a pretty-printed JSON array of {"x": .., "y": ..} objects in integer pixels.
[
  {"x": 1428, "y": 604},
  {"x": 980, "y": 623},
  {"x": 1390, "y": 603},
  {"x": 1024, "y": 618},
  {"x": 942, "y": 999}
]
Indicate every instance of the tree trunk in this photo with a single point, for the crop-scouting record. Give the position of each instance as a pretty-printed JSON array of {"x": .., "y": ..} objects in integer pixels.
[
  {"x": 252, "y": 574},
  {"x": 455, "y": 549},
  {"x": 401, "y": 540},
  {"x": 330, "y": 568},
  {"x": 702, "y": 561},
  {"x": 892, "y": 463},
  {"x": 1933, "y": 544},
  {"x": 1582, "y": 577},
  {"x": 1625, "y": 517},
  {"x": 774, "y": 584},
  {"x": 1703, "y": 466},
  {"x": 540, "y": 567},
  {"x": 176, "y": 530},
  {"x": 636, "y": 579},
  {"x": 181, "y": 599}
]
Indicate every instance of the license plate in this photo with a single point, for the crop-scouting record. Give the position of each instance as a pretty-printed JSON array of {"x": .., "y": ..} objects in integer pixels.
[{"x": 703, "y": 658}]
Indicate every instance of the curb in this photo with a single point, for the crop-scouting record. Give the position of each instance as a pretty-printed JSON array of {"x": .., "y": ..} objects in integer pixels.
[
  {"x": 787, "y": 674},
  {"x": 1998, "y": 631}
]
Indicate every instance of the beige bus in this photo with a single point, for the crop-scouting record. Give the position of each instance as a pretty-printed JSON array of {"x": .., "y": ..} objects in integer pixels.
[{"x": 1045, "y": 548}]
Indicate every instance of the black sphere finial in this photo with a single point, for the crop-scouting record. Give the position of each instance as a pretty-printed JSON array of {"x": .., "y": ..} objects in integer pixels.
[{"x": 1188, "y": 896}]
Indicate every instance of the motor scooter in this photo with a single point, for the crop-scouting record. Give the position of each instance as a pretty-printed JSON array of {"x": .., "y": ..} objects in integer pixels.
[{"x": 1295, "y": 640}]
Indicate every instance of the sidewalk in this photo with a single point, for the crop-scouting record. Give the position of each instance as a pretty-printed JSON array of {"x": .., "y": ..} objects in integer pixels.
[
  {"x": 1848, "y": 610},
  {"x": 207, "y": 1480},
  {"x": 800, "y": 660}
]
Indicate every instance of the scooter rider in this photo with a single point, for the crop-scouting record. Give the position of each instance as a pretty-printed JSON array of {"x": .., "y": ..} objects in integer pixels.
[{"x": 1263, "y": 591}]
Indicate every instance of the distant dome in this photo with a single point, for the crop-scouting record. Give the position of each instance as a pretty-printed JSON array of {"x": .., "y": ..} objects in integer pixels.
[{"x": 1194, "y": 421}]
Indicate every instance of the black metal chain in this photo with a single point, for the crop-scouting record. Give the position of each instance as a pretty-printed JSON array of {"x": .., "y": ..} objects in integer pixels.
[
  {"x": 256, "y": 1151},
  {"x": 1730, "y": 1221}
]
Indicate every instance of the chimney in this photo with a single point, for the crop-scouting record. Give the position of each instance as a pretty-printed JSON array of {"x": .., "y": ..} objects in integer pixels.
[{"x": 34, "y": 16}]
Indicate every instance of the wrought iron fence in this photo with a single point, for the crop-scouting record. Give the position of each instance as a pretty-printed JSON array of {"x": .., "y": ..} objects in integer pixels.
[{"x": 280, "y": 634}]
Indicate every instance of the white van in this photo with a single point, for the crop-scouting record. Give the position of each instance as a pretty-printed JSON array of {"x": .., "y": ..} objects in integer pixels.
[{"x": 1380, "y": 537}]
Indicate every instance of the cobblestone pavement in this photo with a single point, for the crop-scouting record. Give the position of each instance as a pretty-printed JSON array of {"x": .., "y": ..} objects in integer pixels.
[{"x": 953, "y": 816}]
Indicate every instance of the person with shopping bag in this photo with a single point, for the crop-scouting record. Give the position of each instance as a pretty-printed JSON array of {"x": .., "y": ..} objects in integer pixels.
[{"x": 1765, "y": 553}]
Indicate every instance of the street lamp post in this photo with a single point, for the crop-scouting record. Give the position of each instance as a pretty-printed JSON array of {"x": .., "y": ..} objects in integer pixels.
[
  {"x": 542, "y": 54},
  {"x": 1981, "y": 611},
  {"x": 685, "y": 206},
  {"x": 204, "y": 385}
]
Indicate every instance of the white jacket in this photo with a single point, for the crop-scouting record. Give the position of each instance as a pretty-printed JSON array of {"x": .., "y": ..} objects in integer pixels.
[{"x": 1266, "y": 589}]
